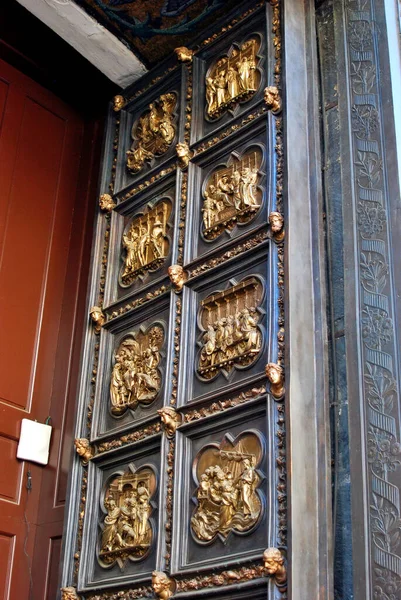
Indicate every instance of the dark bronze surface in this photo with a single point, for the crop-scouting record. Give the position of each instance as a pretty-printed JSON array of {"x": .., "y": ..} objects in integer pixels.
[{"x": 187, "y": 471}]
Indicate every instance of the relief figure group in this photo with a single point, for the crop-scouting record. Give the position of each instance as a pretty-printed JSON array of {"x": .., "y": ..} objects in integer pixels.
[
  {"x": 126, "y": 527},
  {"x": 153, "y": 133},
  {"x": 234, "y": 338},
  {"x": 226, "y": 497},
  {"x": 135, "y": 377},
  {"x": 231, "y": 195},
  {"x": 232, "y": 79},
  {"x": 145, "y": 243}
]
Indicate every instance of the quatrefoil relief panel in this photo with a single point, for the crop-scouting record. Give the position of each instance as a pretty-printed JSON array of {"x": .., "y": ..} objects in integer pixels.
[
  {"x": 233, "y": 78},
  {"x": 231, "y": 194},
  {"x": 145, "y": 243},
  {"x": 153, "y": 133},
  {"x": 231, "y": 334},
  {"x": 227, "y": 497},
  {"x": 127, "y": 528},
  {"x": 136, "y": 377}
]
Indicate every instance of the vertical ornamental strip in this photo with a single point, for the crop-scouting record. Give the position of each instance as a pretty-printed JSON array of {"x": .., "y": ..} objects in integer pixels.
[{"x": 377, "y": 327}]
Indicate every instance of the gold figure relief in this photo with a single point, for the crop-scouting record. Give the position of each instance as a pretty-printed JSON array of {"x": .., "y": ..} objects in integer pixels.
[
  {"x": 163, "y": 586},
  {"x": 177, "y": 276},
  {"x": 275, "y": 374},
  {"x": 184, "y": 154},
  {"x": 273, "y": 562},
  {"x": 118, "y": 103},
  {"x": 272, "y": 99},
  {"x": 227, "y": 480},
  {"x": 232, "y": 336},
  {"x": 153, "y": 133},
  {"x": 83, "y": 449},
  {"x": 145, "y": 243},
  {"x": 69, "y": 593},
  {"x": 98, "y": 318},
  {"x": 233, "y": 78},
  {"x": 136, "y": 377},
  {"x": 126, "y": 530},
  {"x": 232, "y": 195},
  {"x": 184, "y": 55},
  {"x": 170, "y": 419},
  {"x": 276, "y": 222},
  {"x": 106, "y": 202}
]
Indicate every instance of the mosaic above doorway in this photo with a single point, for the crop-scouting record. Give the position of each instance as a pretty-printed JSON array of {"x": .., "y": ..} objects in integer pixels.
[{"x": 153, "y": 28}]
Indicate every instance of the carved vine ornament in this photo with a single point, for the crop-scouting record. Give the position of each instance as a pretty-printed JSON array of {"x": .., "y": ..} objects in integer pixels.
[{"x": 152, "y": 133}]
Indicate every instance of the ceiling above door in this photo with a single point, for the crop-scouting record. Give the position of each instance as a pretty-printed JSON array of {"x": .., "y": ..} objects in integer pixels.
[
  {"x": 153, "y": 28},
  {"x": 124, "y": 38}
]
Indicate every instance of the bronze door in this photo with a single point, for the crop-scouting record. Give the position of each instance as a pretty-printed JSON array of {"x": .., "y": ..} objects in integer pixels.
[{"x": 179, "y": 485}]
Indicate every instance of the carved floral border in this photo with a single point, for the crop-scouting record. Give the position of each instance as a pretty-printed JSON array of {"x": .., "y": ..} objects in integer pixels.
[{"x": 377, "y": 327}]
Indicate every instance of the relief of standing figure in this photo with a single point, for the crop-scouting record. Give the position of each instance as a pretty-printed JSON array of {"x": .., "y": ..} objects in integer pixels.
[{"x": 232, "y": 79}]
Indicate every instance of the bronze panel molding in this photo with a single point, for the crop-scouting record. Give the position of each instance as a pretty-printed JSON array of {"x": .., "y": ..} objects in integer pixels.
[{"x": 219, "y": 577}]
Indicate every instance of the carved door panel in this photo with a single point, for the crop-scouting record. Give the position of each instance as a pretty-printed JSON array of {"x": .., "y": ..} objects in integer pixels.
[{"x": 180, "y": 485}]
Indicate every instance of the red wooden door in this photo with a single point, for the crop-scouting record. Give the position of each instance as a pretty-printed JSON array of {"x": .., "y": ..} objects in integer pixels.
[{"x": 42, "y": 225}]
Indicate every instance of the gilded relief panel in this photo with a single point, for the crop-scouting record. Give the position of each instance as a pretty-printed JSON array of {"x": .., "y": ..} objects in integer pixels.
[
  {"x": 229, "y": 320},
  {"x": 153, "y": 133},
  {"x": 136, "y": 377},
  {"x": 126, "y": 530},
  {"x": 227, "y": 495},
  {"x": 133, "y": 376},
  {"x": 142, "y": 243},
  {"x": 225, "y": 328},
  {"x": 149, "y": 130},
  {"x": 145, "y": 243},
  {"x": 225, "y": 468},
  {"x": 120, "y": 543},
  {"x": 229, "y": 187},
  {"x": 232, "y": 195},
  {"x": 232, "y": 76}
]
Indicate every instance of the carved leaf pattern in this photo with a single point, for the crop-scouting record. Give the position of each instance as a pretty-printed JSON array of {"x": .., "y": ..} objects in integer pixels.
[{"x": 377, "y": 327}]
